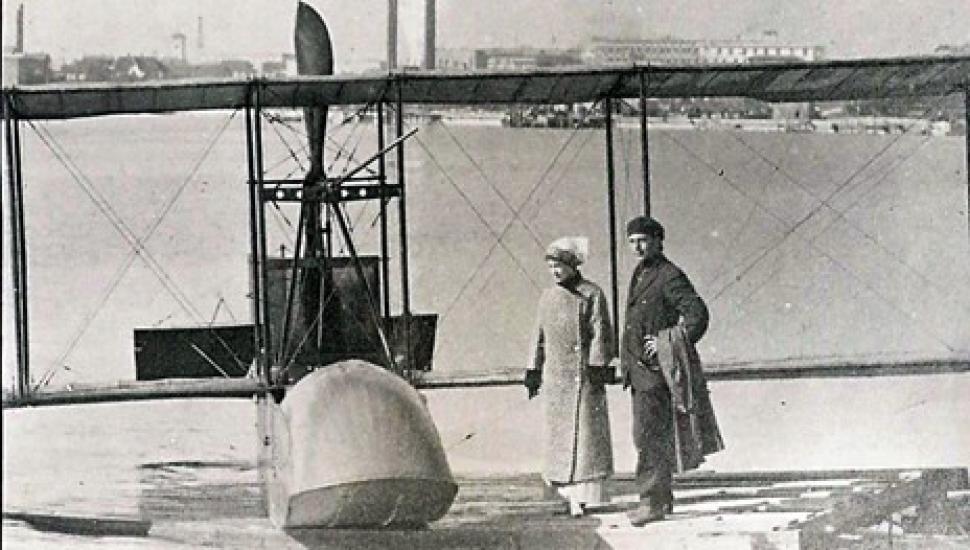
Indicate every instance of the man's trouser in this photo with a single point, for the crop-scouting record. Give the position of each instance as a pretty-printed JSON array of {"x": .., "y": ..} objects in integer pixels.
[{"x": 654, "y": 439}]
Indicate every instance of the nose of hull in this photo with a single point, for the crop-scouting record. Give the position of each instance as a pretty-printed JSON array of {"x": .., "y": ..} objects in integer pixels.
[{"x": 352, "y": 445}]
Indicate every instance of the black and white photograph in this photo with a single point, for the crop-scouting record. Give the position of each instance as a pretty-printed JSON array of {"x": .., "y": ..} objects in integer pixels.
[{"x": 442, "y": 274}]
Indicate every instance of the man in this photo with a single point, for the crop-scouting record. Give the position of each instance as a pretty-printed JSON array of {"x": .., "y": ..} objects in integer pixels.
[{"x": 660, "y": 297}]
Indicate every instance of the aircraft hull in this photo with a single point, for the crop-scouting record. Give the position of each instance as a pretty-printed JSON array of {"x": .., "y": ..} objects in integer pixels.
[{"x": 352, "y": 445}]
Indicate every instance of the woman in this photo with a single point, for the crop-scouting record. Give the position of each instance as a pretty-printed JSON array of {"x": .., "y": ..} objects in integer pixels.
[{"x": 571, "y": 351}]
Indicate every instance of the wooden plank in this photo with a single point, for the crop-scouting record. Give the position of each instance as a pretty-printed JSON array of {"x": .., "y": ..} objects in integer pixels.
[{"x": 864, "y": 509}]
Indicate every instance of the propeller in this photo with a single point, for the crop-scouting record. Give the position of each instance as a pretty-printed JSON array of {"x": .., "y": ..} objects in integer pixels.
[{"x": 314, "y": 56}]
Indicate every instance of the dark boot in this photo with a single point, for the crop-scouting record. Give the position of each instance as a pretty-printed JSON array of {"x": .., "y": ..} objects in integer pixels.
[
  {"x": 668, "y": 503},
  {"x": 647, "y": 512}
]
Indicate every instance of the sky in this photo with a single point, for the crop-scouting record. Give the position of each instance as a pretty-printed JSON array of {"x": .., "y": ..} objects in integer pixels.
[{"x": 262, "y": 29}]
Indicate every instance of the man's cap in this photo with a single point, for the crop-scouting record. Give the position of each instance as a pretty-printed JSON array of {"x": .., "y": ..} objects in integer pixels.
[{"x": 644, "y": 225}]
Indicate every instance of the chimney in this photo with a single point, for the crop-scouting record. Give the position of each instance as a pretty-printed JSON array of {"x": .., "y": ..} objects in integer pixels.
[
  {"x": 19, "y": 44},
  {"x": 179, "y": 46},
  {"x": 429, "y": 32},
  {"x": 391, "y": 35},
  {"x": 200, "y": 43}
]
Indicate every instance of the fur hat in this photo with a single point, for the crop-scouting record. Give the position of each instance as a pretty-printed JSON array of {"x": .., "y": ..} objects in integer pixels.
[
  {"x": 571, "y": 251},
  {"x": 643, "y": 225}
]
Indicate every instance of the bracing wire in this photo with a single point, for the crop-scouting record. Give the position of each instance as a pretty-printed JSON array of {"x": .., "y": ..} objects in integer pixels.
[
  {"x": 491, "y": 185},
  {"x": 790, "y": 228},
  {"x": 335, "y": 146},
  {"x": 508, "y": 225},
  {"x": 104, "y": 206},
  {"x": 481, "y": 217},
  {"x": 570, "y": 162},
  {"x": 825, "y": 227},
  {"x": 840, "y": 214},
  {"x": 292, "y": 153},
  {"x": 789, "y": 231},
  {"x": 137, "y": 245}
]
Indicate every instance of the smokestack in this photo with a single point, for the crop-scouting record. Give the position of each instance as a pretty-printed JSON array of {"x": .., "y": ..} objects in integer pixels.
[
  {"x": 200, "y": 42},
  {"x": 19, "y": 44},
  {"x": 179, "y": 44},
  {"x": 429, "y": 32},
  {"x": 391, "y": 34}
]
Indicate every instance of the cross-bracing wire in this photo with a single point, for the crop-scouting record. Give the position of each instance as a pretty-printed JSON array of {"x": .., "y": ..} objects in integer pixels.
[
  {"x": 840, "y": 213},
  {"x": 334, "y": 145},
  {"x": 508, "y": 225},
  {"x": 138, "y": 248},
  {"x": 785, "y": 223},
  {"x": 104, "y": 206},
  {"x": 564, "y": 169},
  {"x": 792, "y": 228},
  {"x": 492, "y": 186},
  {"x": 899, "y": 161},
  {"x": 481, "y": 217}
]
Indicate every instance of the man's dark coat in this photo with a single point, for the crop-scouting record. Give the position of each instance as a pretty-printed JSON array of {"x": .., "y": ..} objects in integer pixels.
[{"x": 660, "y": 297}]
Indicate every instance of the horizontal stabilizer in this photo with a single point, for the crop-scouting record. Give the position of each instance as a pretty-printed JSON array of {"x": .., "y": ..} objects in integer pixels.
[{"x": 193, "y": 352}]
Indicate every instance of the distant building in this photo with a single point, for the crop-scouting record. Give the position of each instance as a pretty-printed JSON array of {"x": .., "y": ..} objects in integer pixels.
[
  {"x": 455, "y": 59},
  {"x": 952, "y": 49},
  {"x": 91, "y": 68},
  {"x": 11, "y": 67},
  {"x": 135, "y": 68},
  {"x": 679, "y": 51},
  {"x": 757, "y": 50},
  {"x": 229, "y": 68},
  {"x": 179, "y": 47},
  {"x": 27, "y": 68},
  {"x": 524, "y": 58},
  {"x": 659, "y": 51},
  {"x": 286, "y": 66},
  {"x": 101, "y": 68}
]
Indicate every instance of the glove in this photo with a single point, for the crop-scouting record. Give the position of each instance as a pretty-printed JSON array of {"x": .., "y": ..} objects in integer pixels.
[{"x": 533, "y": 380}]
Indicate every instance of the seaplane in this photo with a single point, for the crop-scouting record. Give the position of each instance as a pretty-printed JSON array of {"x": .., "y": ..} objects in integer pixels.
[{"x": 345, "y": 438}]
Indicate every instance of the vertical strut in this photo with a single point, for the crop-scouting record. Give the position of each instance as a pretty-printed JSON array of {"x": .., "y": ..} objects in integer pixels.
[
  {"x": 402, "y": 225},
  {"x": 18, "y": 265},
  {"x": 966, "y": 133},
  {"x": 611, "y": 201},
  {"x": 644, "y": 143},
  {"x": 382, "y": 177},
  {"x": 255, "y": 204},
  {"x": 258, "y": 150}
]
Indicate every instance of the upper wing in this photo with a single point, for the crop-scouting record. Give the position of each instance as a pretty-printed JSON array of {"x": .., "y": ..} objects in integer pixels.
[{"x": 831, "y": 80}]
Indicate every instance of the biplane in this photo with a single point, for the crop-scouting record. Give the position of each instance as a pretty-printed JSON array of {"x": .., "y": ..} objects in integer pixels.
[{"x": 324, "y": 343}]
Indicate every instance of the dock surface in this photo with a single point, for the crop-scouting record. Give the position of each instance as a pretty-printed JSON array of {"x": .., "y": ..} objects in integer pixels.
[{"x": 927, "y": 508}]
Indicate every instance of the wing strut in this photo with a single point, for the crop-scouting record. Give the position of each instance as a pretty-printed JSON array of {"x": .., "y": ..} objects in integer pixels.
[{"x": 18, "y": 264}]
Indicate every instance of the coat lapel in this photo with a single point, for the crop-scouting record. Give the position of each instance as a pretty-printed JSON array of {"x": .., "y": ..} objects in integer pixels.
[{"x": 641, "y": 283}]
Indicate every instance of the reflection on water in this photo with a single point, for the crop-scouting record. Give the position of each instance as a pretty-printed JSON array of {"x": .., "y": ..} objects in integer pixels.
[{"x": 191, "y": 490}]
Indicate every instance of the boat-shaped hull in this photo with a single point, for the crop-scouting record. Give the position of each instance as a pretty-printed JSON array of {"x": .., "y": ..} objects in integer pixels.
[{"x": 352, "y": 445}]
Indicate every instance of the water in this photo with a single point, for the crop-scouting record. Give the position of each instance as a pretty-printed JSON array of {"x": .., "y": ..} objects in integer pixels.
[{"x": 887, "y": 276}]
